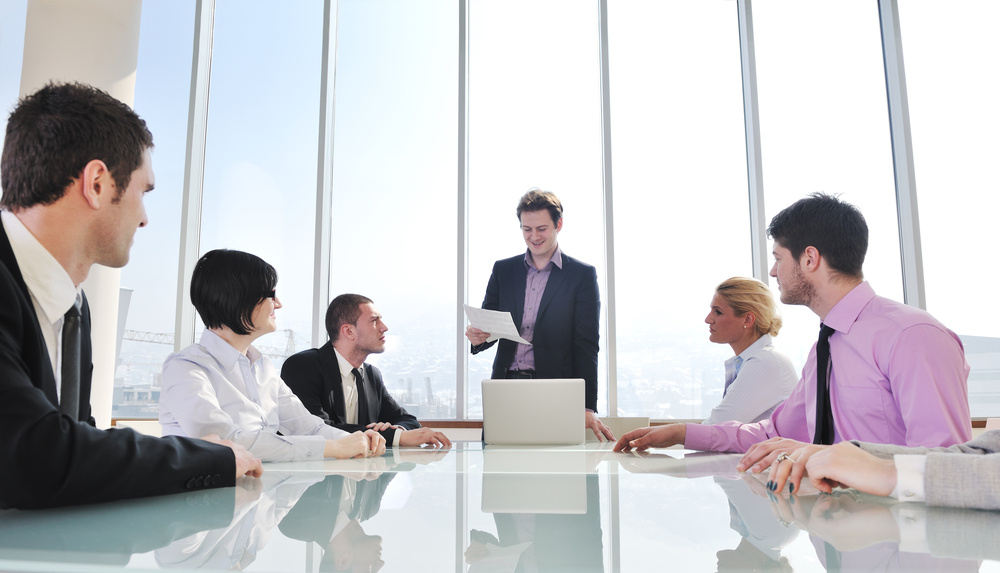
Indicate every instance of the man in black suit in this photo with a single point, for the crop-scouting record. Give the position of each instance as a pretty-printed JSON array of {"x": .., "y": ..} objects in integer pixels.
[
  {"x": 75, "y": 168},
  {"x": 326, "y": 379},
  {"x": 554, "y": 301}
]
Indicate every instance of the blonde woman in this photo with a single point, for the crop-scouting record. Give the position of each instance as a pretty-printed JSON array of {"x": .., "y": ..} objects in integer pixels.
[{"x": 758, "y": 378}]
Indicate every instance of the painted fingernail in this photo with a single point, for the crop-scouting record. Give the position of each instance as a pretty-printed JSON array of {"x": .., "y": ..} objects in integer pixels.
[
  {"x": 791, "y": 488},
  {"x": 770, "y": 485}
]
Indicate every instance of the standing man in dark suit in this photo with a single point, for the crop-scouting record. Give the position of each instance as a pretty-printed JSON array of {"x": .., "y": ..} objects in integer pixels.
[
  {"x": 75, "y": 168},
  {"x": 554, "y": 301},
  {"x": 335, "y": 384}
]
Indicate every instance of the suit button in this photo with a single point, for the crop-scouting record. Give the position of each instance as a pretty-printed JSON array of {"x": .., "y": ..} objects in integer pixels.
[
  {"x": 190, "y": 483},
  {"x": 199, "y": 481},
  {"x": 216, "y": 479}
]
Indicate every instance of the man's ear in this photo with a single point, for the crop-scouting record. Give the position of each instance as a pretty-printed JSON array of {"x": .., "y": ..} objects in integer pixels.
[
  {"x": 559, "y": 225},
  {"x": 810, "y": 259},
  {"x": 98, "y": 186},
  {"x": 347, "y": 331}
]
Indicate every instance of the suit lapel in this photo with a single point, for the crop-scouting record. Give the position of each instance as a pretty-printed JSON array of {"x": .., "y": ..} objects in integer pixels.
[
  {"x": 333, "y": 385},
  {"x": 519, "y": 279},
  {"x": 556, "y": 279}
]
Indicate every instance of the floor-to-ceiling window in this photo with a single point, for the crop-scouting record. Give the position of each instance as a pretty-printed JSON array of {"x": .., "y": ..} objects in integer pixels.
[
  {"x": 534, "y": 121},
  {"x": 393, "y": 230},
  {"x": 149, "y": 282},
  {"x": 824, "y": 127},
  {"x": 952, "y": 76},
  {"x": 681, "y": 207}
]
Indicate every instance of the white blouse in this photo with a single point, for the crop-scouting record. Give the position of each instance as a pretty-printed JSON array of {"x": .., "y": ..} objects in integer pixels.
[
  {"x": 765, "y": 378},
  {"x": 211, "y": 388}
]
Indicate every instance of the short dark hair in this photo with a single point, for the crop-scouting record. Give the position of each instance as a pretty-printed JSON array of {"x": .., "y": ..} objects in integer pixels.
[
  {"x": 227, "y": 286},
  {"x": 53, "y": 134},
  {"x": 536, "y": 200},
  {"x": 345, "y": 309},
  {"x": 835, "y": 228}
]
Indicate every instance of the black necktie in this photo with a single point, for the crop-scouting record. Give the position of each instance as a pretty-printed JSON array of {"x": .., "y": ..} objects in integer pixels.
[
  {"x": 824, "y": 413},
  {"x": 362, "y": 399},
  {"x": 69, "y": 395}
]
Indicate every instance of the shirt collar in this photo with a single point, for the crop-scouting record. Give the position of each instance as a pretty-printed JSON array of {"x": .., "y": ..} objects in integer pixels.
[
  {"x": 346, "y": 370},
  {"x": 224, "y": 352},
  {"x": 48, "y": 282},
  {"x": 844, "y": 314},
  {"x": 756, "y": 347},
  {"x": 556, "y": 258}
]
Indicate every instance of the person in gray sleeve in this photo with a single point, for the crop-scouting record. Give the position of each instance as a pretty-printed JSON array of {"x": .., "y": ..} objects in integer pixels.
[{"x": 965, "y": 475}]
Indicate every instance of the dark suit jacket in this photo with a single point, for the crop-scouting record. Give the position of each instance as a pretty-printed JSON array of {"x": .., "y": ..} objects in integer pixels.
[
  {"x": 47, "y": 459},
  {"x": 566, "y": 330},
  {"x": 314, "y": 376}
]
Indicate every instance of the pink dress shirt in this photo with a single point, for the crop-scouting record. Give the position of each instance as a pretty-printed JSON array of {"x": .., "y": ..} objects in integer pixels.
[{"x": 898, "y": 376}]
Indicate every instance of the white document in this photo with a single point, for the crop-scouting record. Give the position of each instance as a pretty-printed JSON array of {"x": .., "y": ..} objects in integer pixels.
[{"x": 498, "y": 323}]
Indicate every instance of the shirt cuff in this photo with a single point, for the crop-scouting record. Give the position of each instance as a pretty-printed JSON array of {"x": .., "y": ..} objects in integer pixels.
[
  {"x": 909, "y": 477},
  {"x": 395, "y": 437}
]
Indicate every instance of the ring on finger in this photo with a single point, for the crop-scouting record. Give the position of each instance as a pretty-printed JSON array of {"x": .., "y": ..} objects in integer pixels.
[{"x": 782, "y": 457}]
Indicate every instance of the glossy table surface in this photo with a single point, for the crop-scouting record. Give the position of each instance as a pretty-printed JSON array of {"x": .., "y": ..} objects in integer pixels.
[{"x": 480, "y": 510}]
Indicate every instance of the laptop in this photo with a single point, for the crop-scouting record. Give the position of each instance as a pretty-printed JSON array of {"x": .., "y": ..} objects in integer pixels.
[{"x": 534, "y": 412}]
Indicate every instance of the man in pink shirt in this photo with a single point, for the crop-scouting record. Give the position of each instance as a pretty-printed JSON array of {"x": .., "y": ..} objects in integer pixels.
[{"x": 896, "y": 375}]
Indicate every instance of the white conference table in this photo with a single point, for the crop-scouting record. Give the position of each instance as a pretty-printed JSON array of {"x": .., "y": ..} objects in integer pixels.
[{"x": 483, "y": 510}]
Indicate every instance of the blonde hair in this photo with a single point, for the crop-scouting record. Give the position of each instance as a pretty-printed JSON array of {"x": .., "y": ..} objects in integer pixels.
[{"x": 745, "y": 295}]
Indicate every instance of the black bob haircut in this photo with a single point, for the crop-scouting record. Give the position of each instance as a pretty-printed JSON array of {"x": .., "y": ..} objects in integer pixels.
[
  {"x": 227, "y": 286},
  {"x": 836, "y": 228}
]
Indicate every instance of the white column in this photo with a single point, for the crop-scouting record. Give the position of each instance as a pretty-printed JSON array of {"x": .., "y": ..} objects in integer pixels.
[{"x": 94, "y": 42}]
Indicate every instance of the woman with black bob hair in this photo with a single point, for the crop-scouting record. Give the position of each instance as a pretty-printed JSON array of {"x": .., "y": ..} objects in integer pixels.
[{"x": 222, "y": 385}]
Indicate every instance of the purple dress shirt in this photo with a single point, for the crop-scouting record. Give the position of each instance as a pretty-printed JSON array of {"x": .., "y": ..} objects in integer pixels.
[
  {"x": 524, "y": 356},
  {"x": 898, "y": 376}
]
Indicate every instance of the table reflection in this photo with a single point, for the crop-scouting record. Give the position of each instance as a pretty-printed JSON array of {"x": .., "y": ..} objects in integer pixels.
[
  {"x": 110, "y": 533},
  {"x": 505, "y": 509}
]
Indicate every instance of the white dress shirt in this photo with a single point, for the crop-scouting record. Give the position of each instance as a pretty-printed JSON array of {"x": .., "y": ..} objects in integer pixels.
[
  {"x": 764, "y": 378},
  {"x": 350, "y": 386},
  {"x": 52, "y": 290},
  {"x": 210, "y": 388}
]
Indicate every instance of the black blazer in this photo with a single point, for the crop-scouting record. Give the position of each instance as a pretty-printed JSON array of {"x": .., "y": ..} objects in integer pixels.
[
  {"x": 47, "y": 459},
  {"x": 566, "y": 330},
  {"x": 314, "y": 376}
]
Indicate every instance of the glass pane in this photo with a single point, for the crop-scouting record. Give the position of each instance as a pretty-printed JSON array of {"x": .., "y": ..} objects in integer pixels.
[
  {"x": 260, "y": 167},
  {"x": 395, "y": 219},
  {"x": 534, "y": 121},
  {"x": 682, "y": 221},
  {"x": 12, "y": 21},
  {"x": 952, "y": 79},
  {"x": 824, "y": 127},
  {"x": 149, "y": 281}
]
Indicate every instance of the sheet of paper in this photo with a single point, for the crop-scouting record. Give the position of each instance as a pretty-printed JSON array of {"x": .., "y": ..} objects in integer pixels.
[{"x": 498, "y": 323}]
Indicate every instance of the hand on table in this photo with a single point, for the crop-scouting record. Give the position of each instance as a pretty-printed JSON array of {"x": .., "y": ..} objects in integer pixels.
[
  {"x": 761, "y": 455},
  {"x": 423, "y": 436},
  {"x": 652, "y": 437},
  {"x": 840, "y": 465},
  {"x": 597, "y": 426},
  {"x": 246, "y": 463}
]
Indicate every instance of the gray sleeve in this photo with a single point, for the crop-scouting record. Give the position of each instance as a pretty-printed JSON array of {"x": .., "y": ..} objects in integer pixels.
[{"x": 963, "y": 475}]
